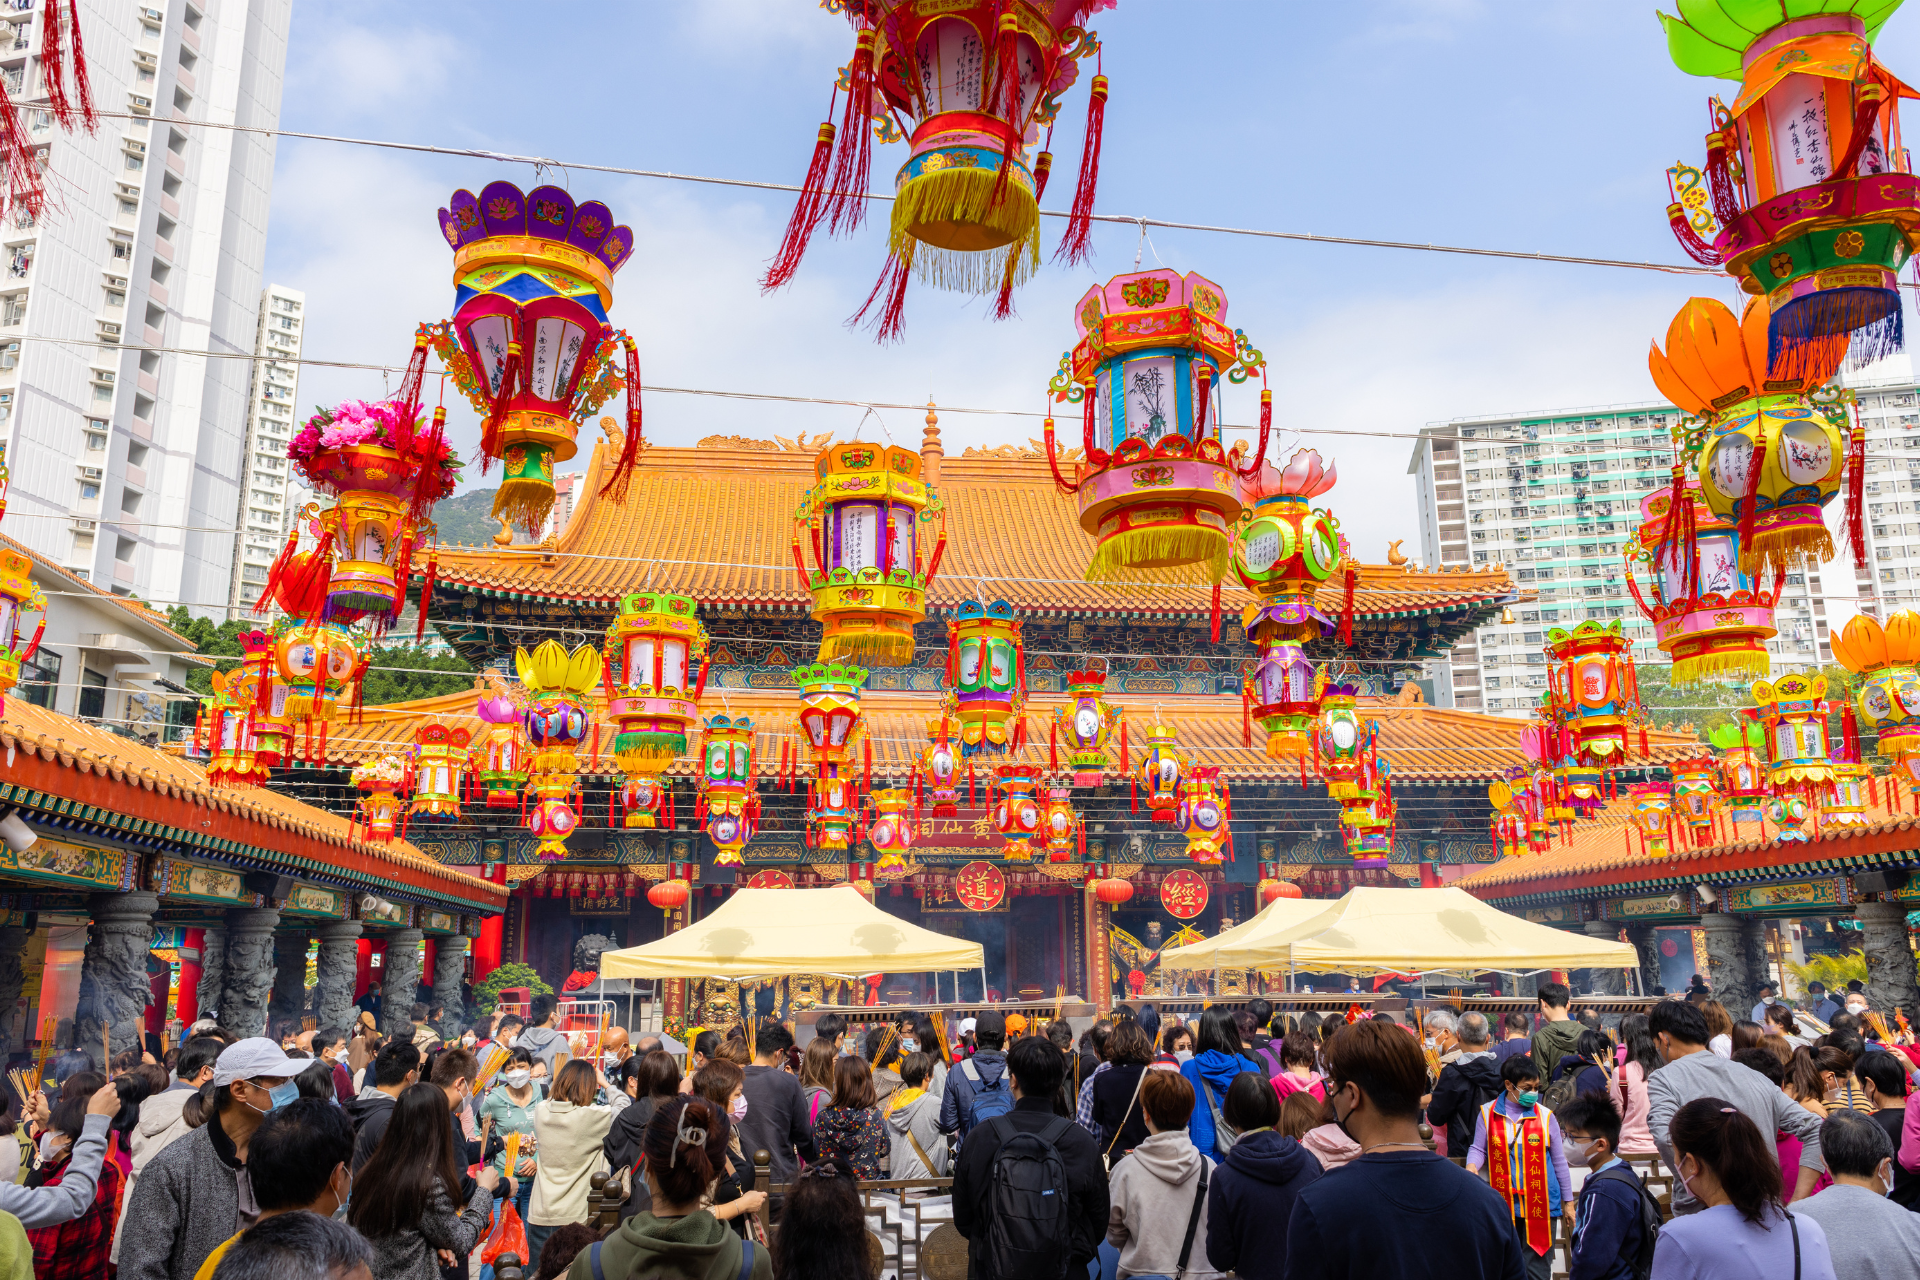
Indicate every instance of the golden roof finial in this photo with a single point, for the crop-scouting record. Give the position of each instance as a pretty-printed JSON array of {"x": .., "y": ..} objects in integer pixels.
[{"x": 930, "y": 448}]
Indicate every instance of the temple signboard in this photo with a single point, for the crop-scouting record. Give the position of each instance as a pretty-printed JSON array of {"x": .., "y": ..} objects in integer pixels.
[
  {"x": 1793, "y": 898},
  {"x": 61, "y": 862},
  {"x": 1672, "y": 906},
  {"x": 194, "y": 882},
  {"x": 312, "y": 900}
]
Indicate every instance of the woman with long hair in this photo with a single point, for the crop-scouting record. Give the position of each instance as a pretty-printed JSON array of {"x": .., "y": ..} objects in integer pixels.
[
  {"x": 403, "y": 1197},
  {"x": 1719, "y": 1027},
  {"x": 1218, "y": 1058},
  {"x": 1117, "y": 1116},
  {"x": 823, "y": 1230},
  {"x": 656, "y": 1078},
  {"x": 1780, "y": 1021},
  {"x": 928, "y": 1039},
  {"x": 731, "y": 1197},
  {"x": 78, "y": 1247},
  {"x": 1746, "y": 1035},
  {"x": 816, "y": 1075},
  {"x": 1745, "y": 1228},
  {"x": 850, "y": 1125},
  {"x": 571, "y": 1127},
  {"x": 1627, "y": 1086}
]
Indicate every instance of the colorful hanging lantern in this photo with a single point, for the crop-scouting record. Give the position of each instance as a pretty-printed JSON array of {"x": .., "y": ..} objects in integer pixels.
[
  {"x": 1806, "y": 197},
  {"x": 979, "y": 79},
  {"x": 1652, "y": 804},
  {"x": 1696, "y": 795},
  {"x": 656, "y": 670},
  {"x": 1157, "y": 489},
  {"x": 986, "y": 676},
  {"x": 1710, "y": 618},
  {"x": 1202, "y": 816},
  {"x": 863, "y": 521},
  {"x": 1286, "y": 552},
  {"x": 1341, "y": 741},
  {"x": 1743, "y": 769},
  {"x": 670, "y": 895},
  {"x": 1367, "y": 816},
  {"x": 1593, "y": 694},
  {"x": 529, "y": 343},
  {"x": 1017, "y": 809},
  {"x": 1109, "y": 888},
  {"x": 1768, "y": 451},
  {"x": 890, "y": 830},
  {"x": 318, "y": 662},
  {"x": 1163, "y": 767},
  {"x": 558, "y": 717},
  {"x": 380, "y": 781},
  {"x": 1794, "y": 711},
  {"x": 1845, "y": 802},
  {"x": 727, "y": 793},
  {"x": 18, "y": 596},
  {"x": 243, "y": 744},
  {"x": 1088, "y": 727},
  {"x": 499, "y": 754},
  {"x": 830, "y": 726},
  {"x": 440, "y": 763},
  {"x": 1889, "y": 698},
  {"x": 1061, "y": 828},
  {"x": 937, "y": 772},
  {"x": 1510, "y": 799}
]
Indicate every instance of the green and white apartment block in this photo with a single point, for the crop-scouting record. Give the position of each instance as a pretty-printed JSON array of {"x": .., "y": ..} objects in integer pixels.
[{"x": 1553, "y": 495}]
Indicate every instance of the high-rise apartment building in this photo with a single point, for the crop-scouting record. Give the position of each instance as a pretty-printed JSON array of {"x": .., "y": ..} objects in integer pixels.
[
  {"x": 266, "y": 509},
  {"x": 128, "y": 313}
]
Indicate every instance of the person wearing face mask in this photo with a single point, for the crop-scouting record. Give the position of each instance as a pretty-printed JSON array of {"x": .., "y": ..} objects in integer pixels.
[
  {"x": 298, "y": 1163},
  {"x": 721, "y": 1083},
  {"x": 1883, "y": 1077},
  {"x": 508, "y": 1109},
  {"x": 197, "y": 1192},
  {"x": 162, "y": 1117},
  {"x": 330, "y": 1047},
  {"x": 1691, "y": 1071},
  {"x": 1616, "y": 1220},
  {"x": 1517, "y": 1141},
  {"x": 76, "y": 1248},
  {"x": 1741, "y": 1230},
  {"x": 395, "y": 1068},
  {"x": 1869, "y": 1235}
]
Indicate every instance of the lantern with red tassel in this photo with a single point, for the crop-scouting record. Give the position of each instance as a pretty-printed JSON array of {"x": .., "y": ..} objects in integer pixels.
[
  {"x": 890, "y": 830},
  {"x": 1202, "y": 816},
  {"x": 937, "y": 772},
  {"x": 499, "y": 753},
  {"x": 979, "y": 79},
  {"x": 1163, "y": 768},
  {"x": 558, "y": 717},
  {"x": 986, "y": 675},
  {"x": 655, "y": 654},
  {"x": 1889, "y": 698},
  {"x": 1743, "y": 769},
  {"x": 1593, "y": 694},
  {"x": 727, "y": 787},
  {"x": 1847, "y": 797},
  {"x": 316, "y": 661},
  {"x": 1107, "y": 887},
  {"x": 1800, "y": 768},
  {"x": 1062, "y": 829},
  {"x": 1287, "y": 552},
  {"x": 1652, "y": 805},
  {"x": 529, "y": 344},
  {"x": 1017, "y": 809},
  {"x": 831, "y": 726},
  {"x": 1088, "y": 727},
  {"x": 439, "y": 767},
  {"x": 1696, "y": 795},
  {"x": 1157, "y": 489},
  {"x": 381, "y": 780}
]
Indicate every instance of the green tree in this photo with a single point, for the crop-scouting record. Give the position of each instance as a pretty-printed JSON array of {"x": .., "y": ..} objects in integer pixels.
[
  {"x": 213, "y": 640},
  {"x": 403, "y": 673},
  {"x": 486, "y": 992}
]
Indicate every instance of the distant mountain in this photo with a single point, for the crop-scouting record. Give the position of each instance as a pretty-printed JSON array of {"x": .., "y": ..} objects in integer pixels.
[{"x": 467, "y": 518}]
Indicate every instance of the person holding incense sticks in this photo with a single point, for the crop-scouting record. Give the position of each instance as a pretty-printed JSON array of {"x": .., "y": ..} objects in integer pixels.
[{"x": 507, "y": 1111}]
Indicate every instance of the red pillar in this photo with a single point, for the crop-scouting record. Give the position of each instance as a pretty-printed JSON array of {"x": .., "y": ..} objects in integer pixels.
[
  {"x": 156, "y": 1016},
  {"x": 188, "y": 1008},
  {"x": 1429, "y": 878},
  {"x": 493, "y": 933},
  {"x": 431, "y": 952},
  {"x": 363, "y": 968}
]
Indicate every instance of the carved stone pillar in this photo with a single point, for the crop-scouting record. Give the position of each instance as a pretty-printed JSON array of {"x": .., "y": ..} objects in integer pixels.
[
  {"x": 114, "y": 988},
  {"x": 248, "y": 985},
  {"x": 1753, "y": 945},
  {"x": 13, "y": 977},
  {"x": 449, "y": 970},
  {"x": 289, "y": 1000},
  {"x": 213, "y": 971},
  {"x": 1727, "y": 970},
  {"x": 400, "y": 978},
  {"x": 1645, "y": 942},
  {"x": 336, "y": 971},
  {"x": 1605, "y": 982},
  {"x": 1890, "y": 973}
]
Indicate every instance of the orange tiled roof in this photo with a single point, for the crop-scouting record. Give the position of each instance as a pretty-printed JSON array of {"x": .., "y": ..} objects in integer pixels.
[
  {"x": 1602, "y": 852},
  {"x": 139, "y": 778},
  {"x": 716, "y": 524},
  {"x": 1431, "y": 744}
]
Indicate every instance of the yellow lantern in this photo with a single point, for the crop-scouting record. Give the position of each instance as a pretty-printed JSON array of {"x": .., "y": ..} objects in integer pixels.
[
  {"x": 1696, "y": 795},
  {"x": 1593, "y": 691},
  {"x": 319, "y": 662},
  {"x": 1794, "y": 711},
  {"x": 1203, "y": 817},
  {"x": 557, "y": 719},
  {"x": 380, "y": 808},
  {"x": 655, "y": 673},
  {"x": 862, "y": 520},
  {"x": 440, "y": 763},
  {"x": 1889, "y": 698},
  {"x": 18, "y": 596},
  {"x": 1088, "y": 727},
  {"x": 831, "y": 726},
  {"x": 1652, "y": 802},
  {"x": 890, "y": 830}
]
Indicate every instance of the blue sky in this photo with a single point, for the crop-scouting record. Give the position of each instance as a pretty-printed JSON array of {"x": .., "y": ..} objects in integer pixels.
[{"x": 1495, "y": 123}]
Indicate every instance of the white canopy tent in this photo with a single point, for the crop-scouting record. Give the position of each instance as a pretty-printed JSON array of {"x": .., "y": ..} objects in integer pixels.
[{"x": 1276, "y": 917}]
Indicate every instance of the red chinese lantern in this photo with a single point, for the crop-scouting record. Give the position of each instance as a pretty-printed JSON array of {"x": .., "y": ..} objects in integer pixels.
[
  {"x": 1112, "y": 890},
  {"x": 1274, "y": 890},
  {"x": 669, "y": 895}
]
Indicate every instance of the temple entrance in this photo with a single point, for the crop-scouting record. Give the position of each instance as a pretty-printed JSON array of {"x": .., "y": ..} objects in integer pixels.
[{"x": 1036, "y": 958}]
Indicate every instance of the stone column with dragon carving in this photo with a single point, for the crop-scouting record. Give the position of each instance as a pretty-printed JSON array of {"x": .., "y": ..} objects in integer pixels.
[
  {"x": 114, "y": 987},
  {"x": 247, "y": 988}
]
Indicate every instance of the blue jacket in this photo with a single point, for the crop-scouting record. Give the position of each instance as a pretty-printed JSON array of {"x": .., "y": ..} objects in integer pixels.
[
  {"x": 1217, "y": 1070},
  {"x": 1606, "y": 1230},
  {"x": 1250, "y": 1200},
  {"x": 956, "y": 1105}
]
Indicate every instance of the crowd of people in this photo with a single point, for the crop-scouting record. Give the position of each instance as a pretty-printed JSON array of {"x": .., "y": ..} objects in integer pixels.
[{"x": 1246, "y": 1143}]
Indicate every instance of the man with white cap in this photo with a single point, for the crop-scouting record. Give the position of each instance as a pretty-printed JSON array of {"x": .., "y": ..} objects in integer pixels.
[
  {"x": 195, "y": 1193},
  {"x": 73, "y": 1194}
]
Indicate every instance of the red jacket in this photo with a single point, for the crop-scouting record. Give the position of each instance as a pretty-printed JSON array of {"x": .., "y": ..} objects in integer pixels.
[{"x": 77, "y": 1250}]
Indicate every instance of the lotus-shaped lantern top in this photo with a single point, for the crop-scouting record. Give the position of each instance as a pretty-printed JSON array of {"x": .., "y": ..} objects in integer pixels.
[
  {"x": 1713, "y": 361},
  {"x": 1865, "y": 646},
  {"x": 1304, "y": 477},
  {"x": 496, "y": 703},
  {"x": 551, "y": 669},
  {"x": 1712, "y": 37}
]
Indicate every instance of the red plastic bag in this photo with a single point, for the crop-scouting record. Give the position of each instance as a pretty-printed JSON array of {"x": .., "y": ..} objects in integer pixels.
[{"x": 509, "y": 1235}]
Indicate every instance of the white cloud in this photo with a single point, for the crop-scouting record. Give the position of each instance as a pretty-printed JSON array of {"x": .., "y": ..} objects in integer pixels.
[{"x": 364, "y": 73}]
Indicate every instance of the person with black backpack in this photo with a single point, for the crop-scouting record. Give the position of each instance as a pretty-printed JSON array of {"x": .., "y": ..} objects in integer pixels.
[
  {"x": 1029, "y": 1192},
  {"x": 979, "y": 1089},
  {"x": 1616, "y": 1222}
]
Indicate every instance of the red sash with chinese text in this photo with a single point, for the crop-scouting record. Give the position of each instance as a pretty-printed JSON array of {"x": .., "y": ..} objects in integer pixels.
[{"x": 1529, "y": 1200}]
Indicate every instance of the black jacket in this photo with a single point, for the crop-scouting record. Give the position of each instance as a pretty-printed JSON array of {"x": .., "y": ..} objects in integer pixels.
[
  {"x": 369, "y": 1115},
  {"x": 1086, "y": 1182},
  {"x": 1462, "y": 1089},
  {"x": 1250, "y": 1201},
  {"x": 1116, "y": 1107}
]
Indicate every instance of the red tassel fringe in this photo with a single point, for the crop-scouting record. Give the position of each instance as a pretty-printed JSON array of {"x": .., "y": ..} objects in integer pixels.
[
  {"x": 25, "y": 184},
  {"x": 1006, "y": 94},
  {"x": 1346, "y": 609},
  {"x": 890, "y": 324},
  {"x": 1755, "y": 465},
  {"x": 1076, "y": 245},
  {"x": 616, "y": 485},
  {"x": 82, "y": 82},
  {"x": 845, "y": 205},
  {"x": 1003, "y": 301},
  {"x": 1266, "y": 430},
  {"x": 806, "y": 213},
  {"x": 1857, "y": 491},
  {"x": 497, "y": 413},
  {"x": 1213, "y": 612},
  {"x": 53, "y": 69}
]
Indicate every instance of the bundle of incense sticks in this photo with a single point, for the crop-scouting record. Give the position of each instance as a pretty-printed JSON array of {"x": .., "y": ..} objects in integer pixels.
[
  {"x": 1878, "y": 1022},
  {"x": 512, "y": 1153},
  {"x": 490, "y": 1065},
  {"x": 24, "y": 1084}
]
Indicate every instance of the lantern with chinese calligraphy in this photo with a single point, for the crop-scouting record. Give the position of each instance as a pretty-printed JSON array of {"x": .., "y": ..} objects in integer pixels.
[
  {"x": 1163, "y": 766},
  {"x": 1286, "y": 553},
  {"x": 728, "y": 799},
  {"x": 1769, "y": 449},
  {"x": 380, "y": 780},
  {"x": 937, "y": 772},
  {"x": 529, "y": 344},
  {"x": 1794, "y": 711},
  {"x": 1592, "y": 694},
  {"x": 986, "y": 676},
  {"x": 1202, "y": 816},
  {"x": 1889, "y": 698},
  {"x": 1157, "y": 489},
  {"x": 1806, "y": 197},
  {"x": 1017, "y": 809},
  {"x": 862, "y": 521},
  {"x": 18, "y": 596},
  {"x": 558, "y": 717},
  {"x": 979, "y": 79},
  {"x": 1509, "y": 799},
  {"x": 1088, "y": 727},
  {"x": 890, "y": 830},
  {"x": 1708, "y": 616},
  {"x": 1845, "y": 802},
  {"x": 1743, "y": 769},
  {"x": 1652, "y": 804},
  {"x": 499, "y": 753},
  {"x": 440, "y": 763},
  {"x": 1060, "y": 824},
  {"x": 1696, "y": 794},
  {"x": 1792, "y": 815},
  {"x": 655, "y": 671},
  {"x": 242, "y": 727},
  {"x": 830, "y": 726}
]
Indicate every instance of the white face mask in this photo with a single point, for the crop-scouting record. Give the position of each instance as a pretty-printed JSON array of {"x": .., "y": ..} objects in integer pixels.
[
  {"x": 467, "y": 1040},
  {"x": 518, "y": 1079},
  {"x": 1857, "y": 1010}
]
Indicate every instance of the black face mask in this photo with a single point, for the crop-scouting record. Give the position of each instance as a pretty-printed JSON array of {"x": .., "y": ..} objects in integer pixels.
[{"x": 1339, "y": 1120}]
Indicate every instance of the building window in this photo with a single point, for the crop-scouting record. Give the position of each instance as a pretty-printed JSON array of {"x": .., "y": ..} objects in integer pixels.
[
  {"x": 93, "y": 695},
  {"x": 40, "y": 679}
]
